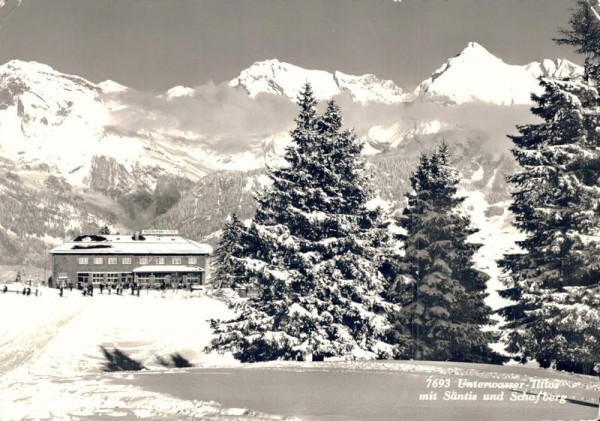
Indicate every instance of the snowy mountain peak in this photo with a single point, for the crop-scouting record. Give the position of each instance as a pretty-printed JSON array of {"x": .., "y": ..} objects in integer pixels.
[
  {"x": 48, "y": 116},
  {"x": 559, "y": 68},
  {"x": 24, "y": 66},
  {"x": 275, "y": 77},
  {"x": 34, "y": 73},
  {"x": 477, "y": 50},
  {"x": 112, "y": 87},
  {"x": 474, "y": 54},
  {"x": 369, "y": 88},
  {"x": 280, "y": 78},
  {"x": 477, "y": 75}
]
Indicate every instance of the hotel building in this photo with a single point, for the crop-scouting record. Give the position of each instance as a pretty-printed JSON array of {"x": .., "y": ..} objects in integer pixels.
[{"x": 153, "y": 258}]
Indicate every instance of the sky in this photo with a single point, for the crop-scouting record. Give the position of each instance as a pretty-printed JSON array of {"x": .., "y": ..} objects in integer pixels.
[{"x": 157, "y": 44}]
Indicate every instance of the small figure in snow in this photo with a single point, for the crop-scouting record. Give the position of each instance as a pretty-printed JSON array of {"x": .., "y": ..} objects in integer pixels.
[
  {"x": 5, "y": 289},
  {"x": 61, "y": 291}
]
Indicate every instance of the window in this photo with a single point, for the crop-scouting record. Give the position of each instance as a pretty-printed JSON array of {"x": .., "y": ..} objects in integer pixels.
[
  {"x": 160, "y": 260},
  {"x": 176, "y": 260},
  {"x": 83, "y": 260},
  {"x": 83, "y": 277},
  {"x": 143, "y": 260},
  {"x": 97, "y": 278},
  {"x": 126, "y": 260},
  {"x": 112, "y": 260},
  {"x": 193, "y": 279},
  {"x": 97, "y": 260},
  {"x": 192, "y": 260},
  {"x": 112, "y": 278}
]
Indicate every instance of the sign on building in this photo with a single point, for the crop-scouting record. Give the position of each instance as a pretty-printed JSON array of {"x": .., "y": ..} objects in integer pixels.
[{"x": 160, "y": 232}]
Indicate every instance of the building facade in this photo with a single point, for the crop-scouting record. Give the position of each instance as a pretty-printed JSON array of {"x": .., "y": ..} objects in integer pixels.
[{"x": 150, "y": 259}]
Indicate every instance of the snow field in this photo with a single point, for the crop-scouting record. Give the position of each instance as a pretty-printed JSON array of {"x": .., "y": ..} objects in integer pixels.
[
  {"x": 50, "y": 360},
  {"x": 498, "y": 238},
  {"x": 50, "y": 369}
]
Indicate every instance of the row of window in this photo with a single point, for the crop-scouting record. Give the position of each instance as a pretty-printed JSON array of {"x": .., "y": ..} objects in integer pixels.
[
  {"x": 102, "y": 277},
  {"x": 154, "y": 280},
  {"x": 113, "y": 278},
  {"x": 141, "y": 260}
]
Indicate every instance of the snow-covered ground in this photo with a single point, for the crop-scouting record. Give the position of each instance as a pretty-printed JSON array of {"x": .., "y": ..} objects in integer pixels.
[
  {"x": 50, "y": 357},
  {"x": 50, "y": 369}
]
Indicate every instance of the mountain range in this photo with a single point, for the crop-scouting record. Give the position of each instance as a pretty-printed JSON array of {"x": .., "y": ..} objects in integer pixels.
[
  {"x": 474, "y": 75},
  {"x": 76, "y": 155},
  {"x": 76, "y": 127}
]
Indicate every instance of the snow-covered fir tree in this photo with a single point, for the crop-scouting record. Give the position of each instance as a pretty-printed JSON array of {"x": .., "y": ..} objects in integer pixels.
[
  {"x": 569, "y": 336},
  {"x": 314, "y": 253},
  {"x": 225, "y": 259},
  {"x": 556, "y": 204},
  {"x": 553, "y": 318},
  {"x": 584, "y": 35},
  {"x": 440, "y": 293}
]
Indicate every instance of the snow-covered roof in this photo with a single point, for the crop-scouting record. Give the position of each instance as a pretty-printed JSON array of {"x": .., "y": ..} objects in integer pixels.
[
  {"x": 167, "y": 269},
  {"x": 126, "y": 244}
]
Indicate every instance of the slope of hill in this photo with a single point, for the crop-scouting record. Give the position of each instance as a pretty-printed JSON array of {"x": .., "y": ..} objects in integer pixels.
[
  {"x": 38, "y": 209},
  {"x": 203, "y": 209}
]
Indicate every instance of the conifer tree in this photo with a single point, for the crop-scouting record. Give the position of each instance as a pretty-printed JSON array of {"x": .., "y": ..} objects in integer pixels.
[
  {"x": 584, "y": 35},
  {"x": 313, "y": 253},
  {"x": 556, "y": 204},
  {"x": 569, "y": 330},
  {"x": 225, "y": 264},
  {"x": 440, "y": 293},
  {"x": 552, "y": 284},
  {"x": 104, "y": 230}
]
